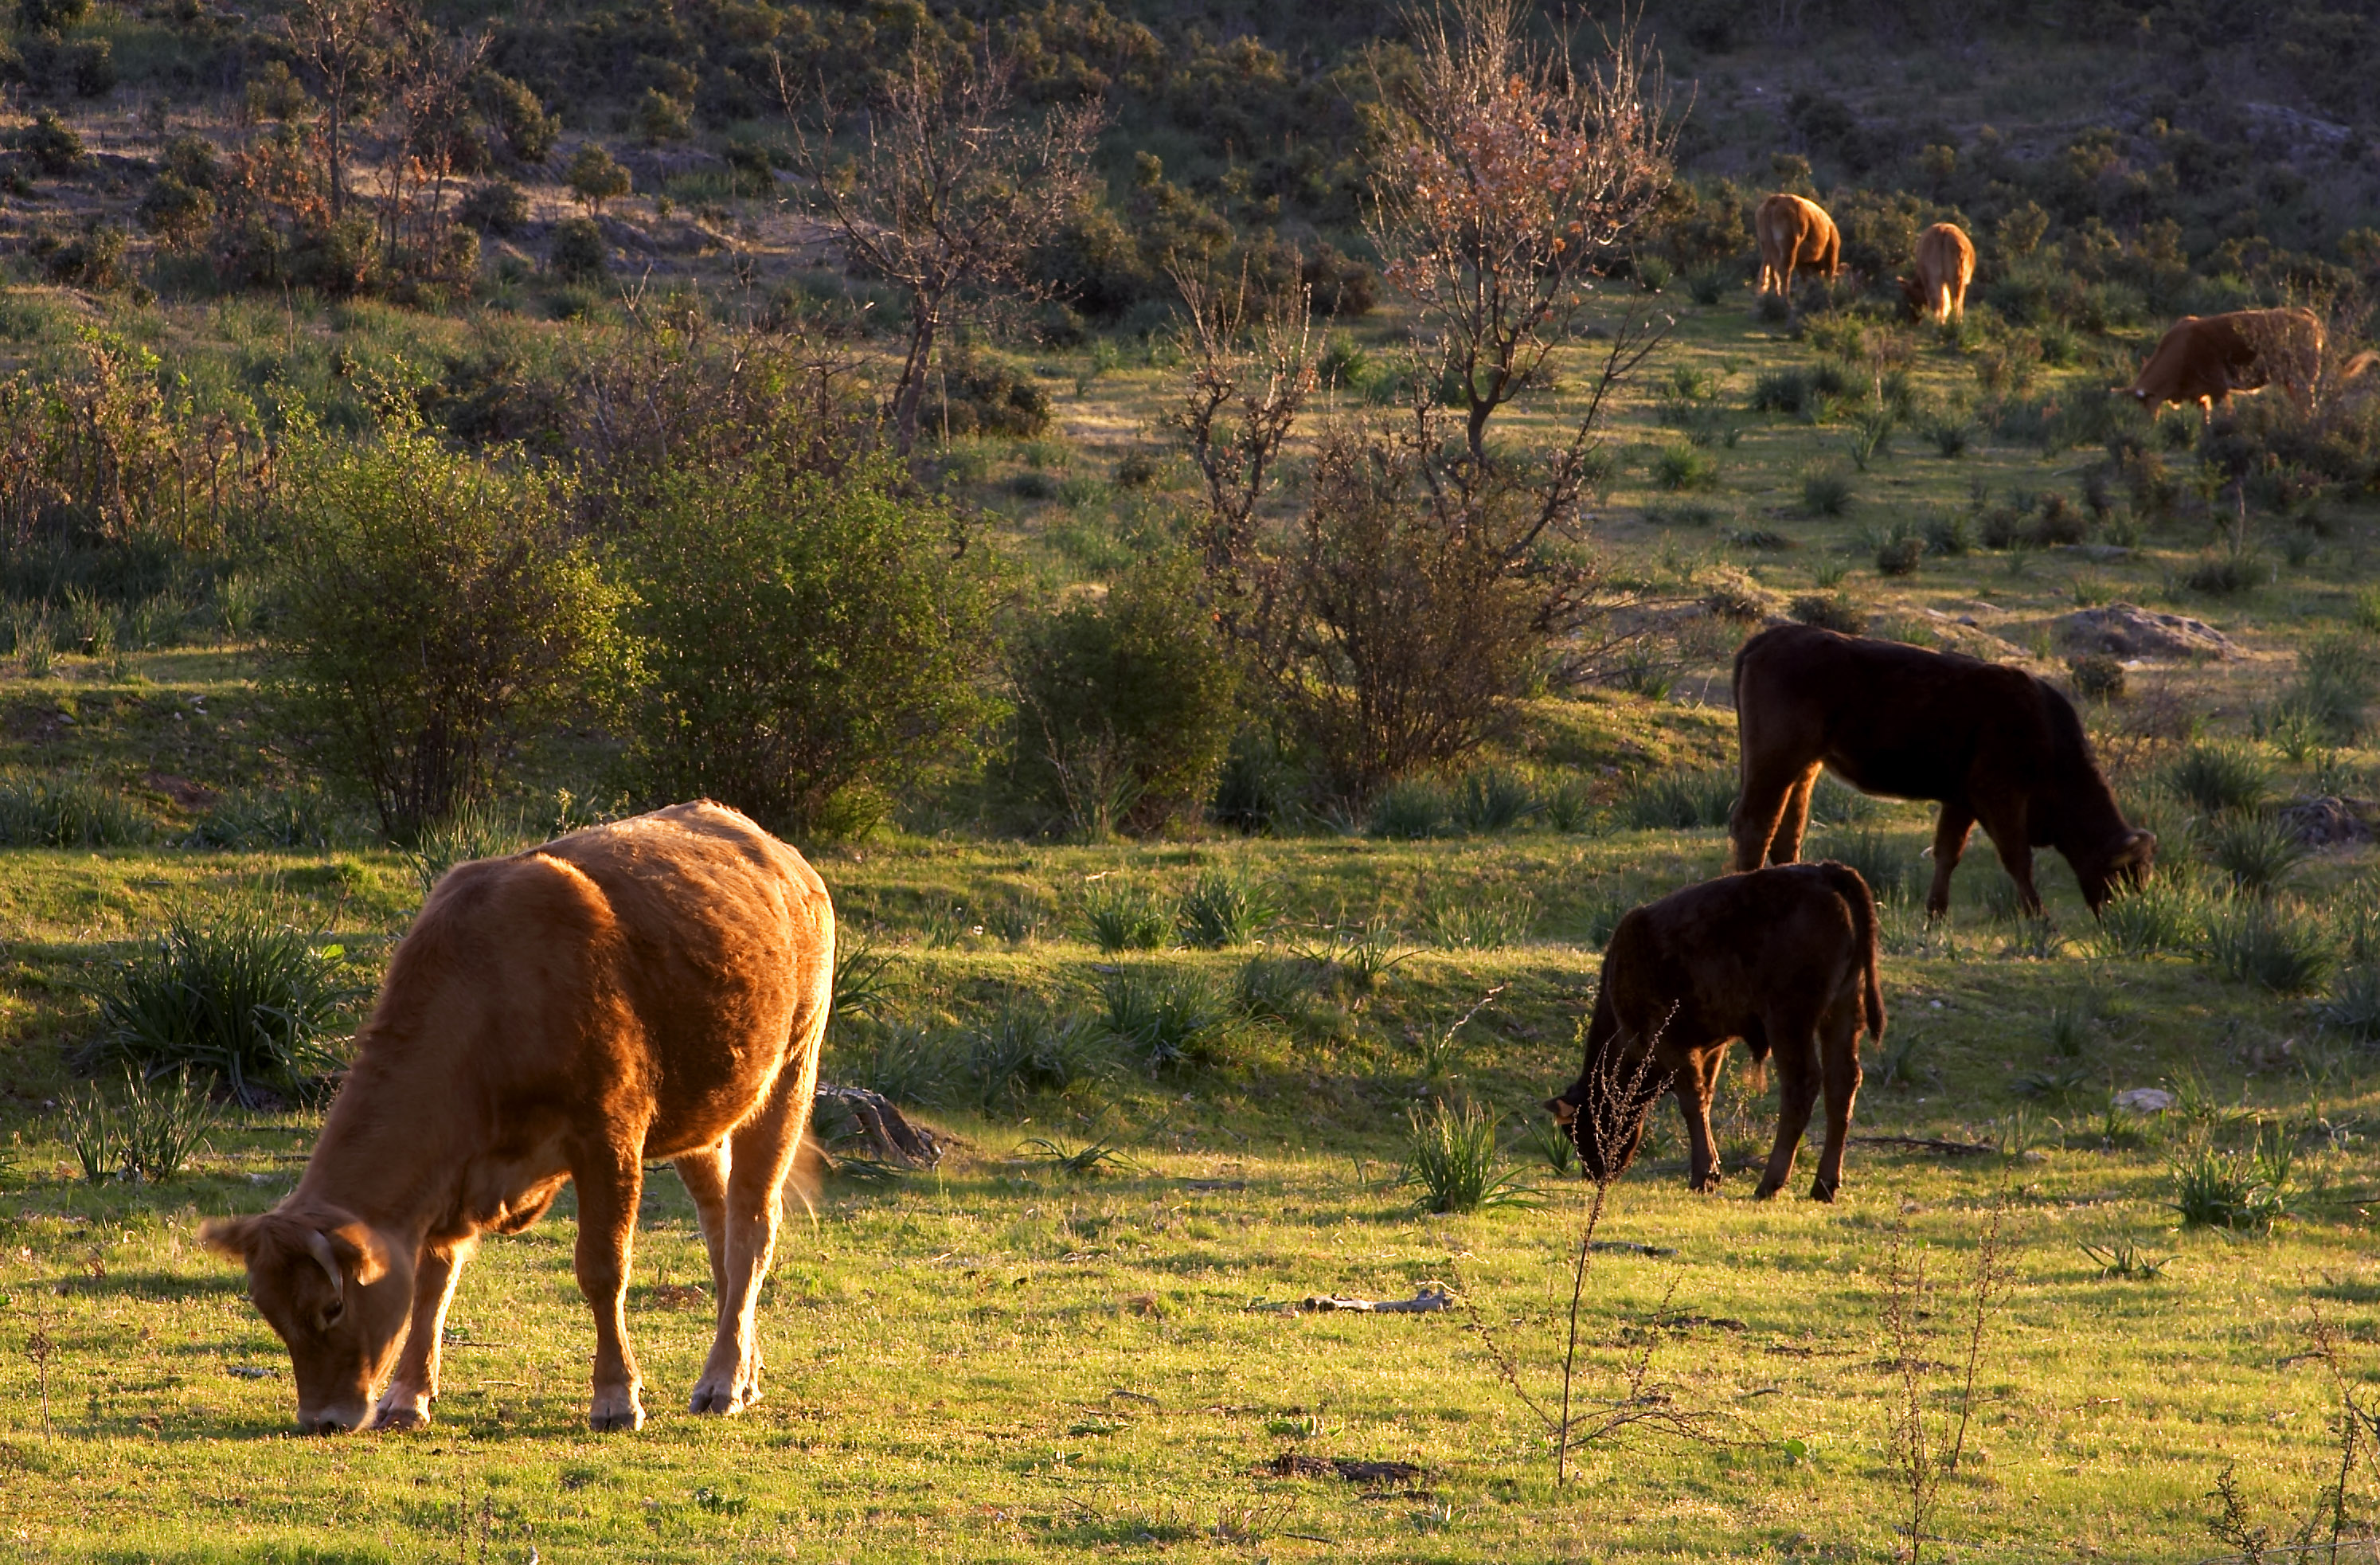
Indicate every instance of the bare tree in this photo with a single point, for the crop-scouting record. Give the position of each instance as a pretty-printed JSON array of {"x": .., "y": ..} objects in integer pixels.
[
  {"x": 1506, "y": 174},
  {"x": 429, "y": 71},
  {"x": 947, "y": 192},
  {"x": 344, "y": 43}
]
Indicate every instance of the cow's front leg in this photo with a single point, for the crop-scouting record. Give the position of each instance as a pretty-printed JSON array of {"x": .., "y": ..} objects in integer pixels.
[
  {"x": 761, "y": 1153},
  {"x": 414, "y": 1386},
  {"x": 1951, "y": 834},
  {"x": 611, "y": 1184},
  {"x": 1693, "y": 1094},
  {"x": 1797, "y": 1092}
]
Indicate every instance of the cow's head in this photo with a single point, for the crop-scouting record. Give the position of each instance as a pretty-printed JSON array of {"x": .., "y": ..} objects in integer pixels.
[
  {"x": 1912, "y": 293},
  {"x": 2126, "y": 864},
  {"x": 336, "y": 1291}
]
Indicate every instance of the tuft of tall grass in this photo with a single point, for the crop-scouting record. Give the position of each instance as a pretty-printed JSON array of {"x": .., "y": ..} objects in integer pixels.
[
  {"x": 236, "y": 995},
  {"x": 475, "y": 831},
  {"x": 145, "y": 1132},
  {"x": 2250, "y": 940},
  {"x": 1679, "y": 801},
  {"x": 2219, "y": 776},
  {"x": 1891, "y": 872},
  {"x": 252, "y": 818},
  {"x": 2243, "y": 1190},
  {"x": 1450, "y": 1156},
  {"x": 1272, "y": 988},
  {"x": 64, "y": 811},
  {"x": 1024, "y": 1049},
  {"x": 1478, "y": 920},
  {"x": 1407, "y": 811},
  {"x": 2354, "y": 1004},
  {"x": 2257, "y": 851},
  {"x": 1493, "y": 800},
  {"x": 1825, "y": 489},
  {"x": 1118, "y": 916},
  {"x": 903, "y": 1062},
  {"x": 1170, "y": 1018},
  {"x": 1225, "y": 907},
  {"x": 2163, "y": 916}
]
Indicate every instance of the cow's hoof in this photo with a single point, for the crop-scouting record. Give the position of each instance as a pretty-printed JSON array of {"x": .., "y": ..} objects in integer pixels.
[
  {"x": 616, "y": 1411},
  {"x": 715, "y": 1399},
  {"x": 1767, "y": 1188},
  {"x": 411, "y": 1413},
  {"x": 1821, "y": 1191},
  {"x": 1706, "y": 1185}
]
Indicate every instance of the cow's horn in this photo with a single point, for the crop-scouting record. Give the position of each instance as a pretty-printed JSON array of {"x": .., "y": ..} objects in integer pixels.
[{"x": 317, "y": 1244}]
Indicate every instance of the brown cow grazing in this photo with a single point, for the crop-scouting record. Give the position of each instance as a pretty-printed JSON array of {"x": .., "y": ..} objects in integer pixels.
[
  {"x": 1783, "y": 958},
  {"x": 1946, "y": 264},
  {"x": 654, "y": 988},
  {"x": 2204, "y": 359},
  {"x": 1794, "y": 232},
  {"x": 1993, "y": 744}
]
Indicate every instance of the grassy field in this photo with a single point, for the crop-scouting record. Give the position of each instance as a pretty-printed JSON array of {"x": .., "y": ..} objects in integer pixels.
[{"x": 1002, "y": 1360}]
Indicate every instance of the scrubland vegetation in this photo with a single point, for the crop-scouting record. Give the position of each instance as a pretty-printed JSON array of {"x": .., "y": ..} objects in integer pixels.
[{"x": 1234, "y": 643}]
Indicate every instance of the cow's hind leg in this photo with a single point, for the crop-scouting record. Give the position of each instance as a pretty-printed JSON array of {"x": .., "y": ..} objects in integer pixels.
[
  {"x": 1951, "y": 835},
  {"x": 1839, "y": 1056},
  {"x": 761, "y": 1153},
  {"x": 1763, "y": 797},
  {"x": 1794, "y": 1043},
  {"x": 414, "y": 1386},
  {"x": 1786, "y": 848},
  {"x": 611, "y": 1184},
  {"x": 704, "y": 1174},
  {"x": 1693, "y": 1090}
]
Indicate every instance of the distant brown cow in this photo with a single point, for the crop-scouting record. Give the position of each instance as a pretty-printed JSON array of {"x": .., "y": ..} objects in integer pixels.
[
  {"x": 1993, "y": 744},
  {"x": 655, "y": 988},
  {"x": 1794, "y": 232},
  {"x": 1783, "y": 958},
  {"x": 2204, "y": 359},
  {"x": 1946, "y": 264}
]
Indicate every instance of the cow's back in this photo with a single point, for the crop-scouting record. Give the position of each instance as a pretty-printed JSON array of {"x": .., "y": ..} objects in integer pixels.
[
  {"x": 1725, "y": 952},
  {"x": 649, "y": 974}
]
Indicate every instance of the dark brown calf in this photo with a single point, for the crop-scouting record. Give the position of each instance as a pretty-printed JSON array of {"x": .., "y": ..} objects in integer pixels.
[{"x": 1783, "y": 958}]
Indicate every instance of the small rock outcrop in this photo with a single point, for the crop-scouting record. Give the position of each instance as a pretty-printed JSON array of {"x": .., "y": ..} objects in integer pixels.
[{"x": 2127, "y": 630}]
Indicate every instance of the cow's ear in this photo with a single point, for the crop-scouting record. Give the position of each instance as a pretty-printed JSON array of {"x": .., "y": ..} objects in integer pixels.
[
  {"x": 362, "y": 1253},
  {"x": 2140, "y": 848},
  {"x": 1564, "y": 1111},
  {"x": 232, "y": 1237}
]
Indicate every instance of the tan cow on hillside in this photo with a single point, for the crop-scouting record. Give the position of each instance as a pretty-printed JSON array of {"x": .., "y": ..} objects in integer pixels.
[
  {"x": 1794, "y": 232},
  {"x": 652, "y": 989},
  {"x": 1946, "y": 264},
  {"x": 2204, "y": 359}
]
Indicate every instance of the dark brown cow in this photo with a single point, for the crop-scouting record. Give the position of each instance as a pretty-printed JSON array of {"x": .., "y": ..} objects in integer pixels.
[
  {"x": 1793, "y": 232},
  {"x": 2204, "y": 359},
  {"x": 655, "y": 988},
  {"x": 1992, "y": 744},
  {"x": 1946, "y": 264},
  {"x": 1783, "y": 958}
]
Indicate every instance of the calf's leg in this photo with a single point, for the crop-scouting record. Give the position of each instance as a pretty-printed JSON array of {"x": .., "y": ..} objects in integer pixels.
[
  {"x": 762, "y": 1152},
  {"x": 611, "y": 1184},
  {"x": 1951, "y": 835},
  {"x": 414, "y": 1385},
  {"x": 1838, "y": 1056},
  {"x": 1797, "y": 1092}
]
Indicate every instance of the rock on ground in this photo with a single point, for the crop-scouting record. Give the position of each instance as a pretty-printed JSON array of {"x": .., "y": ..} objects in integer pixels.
[{"x": 2127, "y": 630}]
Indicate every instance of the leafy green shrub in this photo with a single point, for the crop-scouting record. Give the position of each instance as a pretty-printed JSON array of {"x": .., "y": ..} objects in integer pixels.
[
  {"x": 2219, "y": 776},
  {"x": 978, "y": 394},
  {"x": 811, "y": 644},
  {"x": 2337, "y": 676},
  {"x": 232, "y": 994},
  {"x": 1898, "y": 555},
  {"x": 64, "y": 811},
  {"x": 1170, "y": 1018},
  {"x": 1125, "y": 708},
  {"x": 578, "y": 253},
  {"x": 2257, "y": 851},
  {"x": 1450, "y": 1156},
  {"x": 1784, "y": 391},
  {"x": 528, "y": 132},
  {"x": 1679, "y": 801},
  {"x": 2096, "y": 675},
  {"x": 1407, "y": 811},
  {"x": 1225, "y": 907},
  {"x": 52, "y": 143},
  {"x": 1829, "y": 611},
  {"x": 429, "y": 609},
  {"x": 1118, "y": 916},
  {"x": 2253, "y": 941},
  {"x": 595, "y": 177},
  {"x": 498, "y": 206}
]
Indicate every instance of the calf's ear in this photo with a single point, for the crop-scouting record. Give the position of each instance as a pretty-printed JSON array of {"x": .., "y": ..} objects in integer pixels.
[
  {"x": 1564, "y": 1111},
  {"x": 361, "y": 1253}
]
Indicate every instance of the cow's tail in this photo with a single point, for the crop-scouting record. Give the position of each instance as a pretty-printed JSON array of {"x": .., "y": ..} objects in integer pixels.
[
  {"x": 2355, "y": 369},
  {"x": 1854, "y": 891}
]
